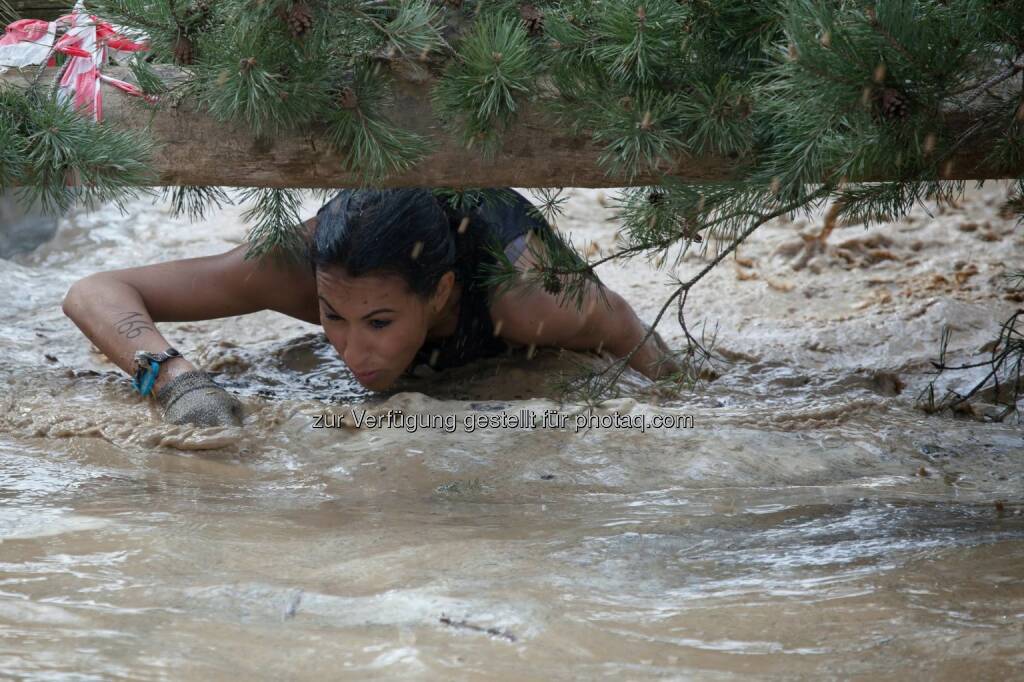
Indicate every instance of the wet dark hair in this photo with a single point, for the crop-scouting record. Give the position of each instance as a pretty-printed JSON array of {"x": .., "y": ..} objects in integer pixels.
[{"x": 404, "y": 232}]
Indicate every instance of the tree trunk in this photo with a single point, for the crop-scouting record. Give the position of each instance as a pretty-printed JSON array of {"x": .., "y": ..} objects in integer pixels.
[{"x": 194, "y": 149}]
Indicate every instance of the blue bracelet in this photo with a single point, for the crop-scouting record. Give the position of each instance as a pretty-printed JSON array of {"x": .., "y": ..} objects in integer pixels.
[{"x": 147, "y": 368}]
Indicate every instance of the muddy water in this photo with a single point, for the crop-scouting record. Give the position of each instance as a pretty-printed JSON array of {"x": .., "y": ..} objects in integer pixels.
[{"x": 796, "y": 518}]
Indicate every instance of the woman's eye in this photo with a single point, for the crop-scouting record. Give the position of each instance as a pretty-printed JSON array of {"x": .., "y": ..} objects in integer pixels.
[
  {"x": 332, "y": 317},
  {"x": 379, "y": 324}
]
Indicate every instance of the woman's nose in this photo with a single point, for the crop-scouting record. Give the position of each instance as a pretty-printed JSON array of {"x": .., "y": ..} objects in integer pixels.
[{"x": 355, "y": 354}]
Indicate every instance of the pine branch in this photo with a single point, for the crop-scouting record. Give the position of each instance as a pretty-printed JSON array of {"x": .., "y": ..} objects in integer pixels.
[
  {"x": 259, "y": 77},
  {"x": 552, "y": 202},
  {"x": 60, "y": 157},
  {"x": 13, "y": 152},
  {"x": 494, "y": 71},
  {"x": 146, "y": 78},
  {"x": 468, "y": 199},
  {"x": 195, "y": 202},
  {"x": 638, "y": 40},
  {"x": 641, "y": 135},
  {"x": 1002, "y": 385},
  {"x": 276, "y": 223},
  {"x": 372, "y": 146},
  {"x": 414, "y": 29}
]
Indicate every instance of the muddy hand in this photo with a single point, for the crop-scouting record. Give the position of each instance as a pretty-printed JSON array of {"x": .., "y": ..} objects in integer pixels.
[
  {"x": 193, "y": 398},
  {"x": 659, "y": 359}
]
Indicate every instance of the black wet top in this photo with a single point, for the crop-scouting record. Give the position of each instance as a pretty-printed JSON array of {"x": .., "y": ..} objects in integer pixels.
[{"x": 498, "y": 219}]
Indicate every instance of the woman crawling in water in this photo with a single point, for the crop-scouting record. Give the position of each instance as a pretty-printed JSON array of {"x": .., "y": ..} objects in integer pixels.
[{"x": 396, "y": 279}]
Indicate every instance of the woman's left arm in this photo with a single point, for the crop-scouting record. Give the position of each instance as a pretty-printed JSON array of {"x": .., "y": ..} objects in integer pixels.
[{"x": 604, "y": 321}]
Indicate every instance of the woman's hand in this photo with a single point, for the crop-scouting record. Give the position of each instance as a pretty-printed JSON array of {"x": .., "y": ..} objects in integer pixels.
[
  {"x": 655, "y": 359},
  {"x": 193, "y": 398}
]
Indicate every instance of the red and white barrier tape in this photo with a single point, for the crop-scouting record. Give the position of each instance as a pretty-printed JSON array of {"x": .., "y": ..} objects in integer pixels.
[{"x": 87, "y": 41}]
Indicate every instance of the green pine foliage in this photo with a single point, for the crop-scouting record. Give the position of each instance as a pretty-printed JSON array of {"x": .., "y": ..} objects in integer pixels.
[
  {"x": 146, "y": 77},
  {"x": 636, "y": 42},
  {"x": 796, "y": 92},
  {"x": 250, "y": 72},
  {"x": 789, "y": 89},
  {"x": 57, "y": 157},
  {"x": 494, "y": 71},
  {"x": 409, "y": 29},
  {"x": 195, "y": 202},
  {"x": 13, "y": 156},
  {"x": 274, "y": 215},
  {"x": 361, "y": 134},
  {"x": 7, "y": 13}
]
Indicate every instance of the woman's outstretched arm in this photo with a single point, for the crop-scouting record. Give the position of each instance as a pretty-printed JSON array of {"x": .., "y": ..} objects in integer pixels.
[
  {"x": 608, "y": 323},
  {"x": 604, "y": 321},
  {"x": 118, "y": 310}
]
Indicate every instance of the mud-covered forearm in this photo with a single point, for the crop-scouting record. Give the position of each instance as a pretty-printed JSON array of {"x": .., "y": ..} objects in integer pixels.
[
  {"x": 623, "y": 330},
  {"x": 113, "y": 316}
]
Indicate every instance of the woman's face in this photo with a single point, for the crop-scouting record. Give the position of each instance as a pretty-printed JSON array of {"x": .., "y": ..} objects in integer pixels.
[{"x": 374, "y": 322}]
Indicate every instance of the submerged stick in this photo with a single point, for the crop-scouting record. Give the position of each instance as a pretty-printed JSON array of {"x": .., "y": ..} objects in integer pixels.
[{"x": 504, "y": 634}]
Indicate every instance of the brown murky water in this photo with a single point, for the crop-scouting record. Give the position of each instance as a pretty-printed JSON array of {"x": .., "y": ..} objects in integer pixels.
[{"x": 809, "y": 522}]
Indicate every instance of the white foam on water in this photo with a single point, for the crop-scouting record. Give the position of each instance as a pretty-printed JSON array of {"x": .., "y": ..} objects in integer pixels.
[{"x": 28, "y": 523}]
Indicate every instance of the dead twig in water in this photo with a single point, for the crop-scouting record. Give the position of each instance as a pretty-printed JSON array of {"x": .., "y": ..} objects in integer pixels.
[
  {"x": 1002, "y": 385},
  {"x": 504, "y": 634}
]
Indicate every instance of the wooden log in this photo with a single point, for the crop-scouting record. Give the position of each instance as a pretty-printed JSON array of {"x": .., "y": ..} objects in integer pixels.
[
  {"x": 534, "y": 153},
  {"x": 194, "y": 149},
  {"x": 41, "y": 9}
]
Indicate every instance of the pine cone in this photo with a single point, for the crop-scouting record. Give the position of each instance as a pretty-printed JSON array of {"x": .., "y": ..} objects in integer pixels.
[
  {"x": 298, "y": 15},
  {"x": 347, "y": 99},
  {"x": 689, "y": 232},
  {"x": 893, "y": 104},
  {"x": 533, "y": 19},
  {"x": 552, "y": 284},
  {"x": 300, "y": 18},
  {"x": 197, "y": 16},
  {"x": 184, "y": 52}
]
